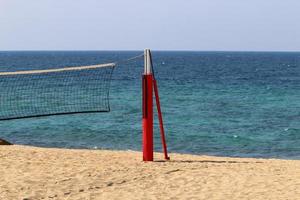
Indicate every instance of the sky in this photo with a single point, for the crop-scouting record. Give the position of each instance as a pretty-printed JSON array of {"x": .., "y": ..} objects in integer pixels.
[{"x": 204, "y": 25}]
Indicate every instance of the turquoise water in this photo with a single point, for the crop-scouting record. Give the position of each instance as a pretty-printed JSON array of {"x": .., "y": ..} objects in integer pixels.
[{"x": 244, "y": 104}]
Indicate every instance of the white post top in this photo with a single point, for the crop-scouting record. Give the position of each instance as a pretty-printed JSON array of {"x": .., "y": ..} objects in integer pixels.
[{"x": 147, "y": 65}]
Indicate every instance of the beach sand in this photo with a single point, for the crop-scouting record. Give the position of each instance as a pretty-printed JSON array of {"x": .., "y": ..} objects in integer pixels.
[{"x": 44, "y": 173}]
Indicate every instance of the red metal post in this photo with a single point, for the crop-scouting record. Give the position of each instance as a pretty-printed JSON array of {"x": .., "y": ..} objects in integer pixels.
[
  {"x": 147, "y": 117},
  {"x": 148, "y": 83}
]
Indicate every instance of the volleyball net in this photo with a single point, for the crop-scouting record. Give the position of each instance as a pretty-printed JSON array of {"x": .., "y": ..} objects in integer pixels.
[
  {"x": 74, "y": 90},
  {"x": 70, "y": 90}
]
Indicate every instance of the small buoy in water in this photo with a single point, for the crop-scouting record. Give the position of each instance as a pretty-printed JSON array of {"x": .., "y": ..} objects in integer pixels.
[{"x": 4, "y": 142}]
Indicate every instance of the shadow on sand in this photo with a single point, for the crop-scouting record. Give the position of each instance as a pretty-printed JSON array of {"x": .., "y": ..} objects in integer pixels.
[{"x": 206, "y": 161}]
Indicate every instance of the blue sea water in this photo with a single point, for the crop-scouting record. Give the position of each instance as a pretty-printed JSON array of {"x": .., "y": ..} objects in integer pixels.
[{"x": 244, "y": 104}]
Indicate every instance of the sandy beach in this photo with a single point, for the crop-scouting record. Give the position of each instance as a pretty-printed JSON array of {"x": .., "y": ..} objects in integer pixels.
[{"x": 44, "y": 173}]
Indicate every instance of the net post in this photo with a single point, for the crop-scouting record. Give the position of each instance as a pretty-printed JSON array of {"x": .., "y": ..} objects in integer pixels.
[{"x": 147, "y": 121}]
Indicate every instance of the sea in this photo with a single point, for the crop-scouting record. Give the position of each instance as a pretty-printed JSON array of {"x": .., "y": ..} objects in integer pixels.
[{"x": 238, "y": 104}]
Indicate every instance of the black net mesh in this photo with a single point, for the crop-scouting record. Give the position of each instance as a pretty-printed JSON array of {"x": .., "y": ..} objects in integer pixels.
[{"x": 44, "y": 93}]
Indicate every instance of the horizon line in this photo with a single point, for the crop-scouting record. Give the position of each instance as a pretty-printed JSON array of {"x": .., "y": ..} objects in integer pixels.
[{"x": 154, "y": 50}]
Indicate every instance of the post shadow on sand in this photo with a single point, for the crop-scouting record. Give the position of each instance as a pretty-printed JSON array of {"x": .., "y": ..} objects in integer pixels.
[{"x": 206, "y": 161}]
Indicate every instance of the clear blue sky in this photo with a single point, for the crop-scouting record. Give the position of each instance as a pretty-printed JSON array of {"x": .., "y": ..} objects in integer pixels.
[{"x": 253, "y": 25}]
